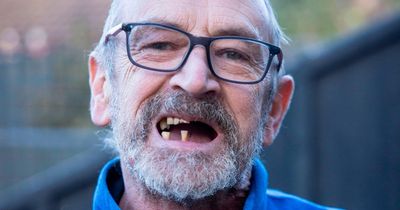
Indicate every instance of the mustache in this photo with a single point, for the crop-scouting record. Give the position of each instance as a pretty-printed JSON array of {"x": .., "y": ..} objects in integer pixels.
[{"x": 207, "y": 108}]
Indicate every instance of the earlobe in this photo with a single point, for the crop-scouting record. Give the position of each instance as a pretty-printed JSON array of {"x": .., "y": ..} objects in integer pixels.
[
  {"x": 99, "y": 90},
  {"x": 279, "y": 107}
]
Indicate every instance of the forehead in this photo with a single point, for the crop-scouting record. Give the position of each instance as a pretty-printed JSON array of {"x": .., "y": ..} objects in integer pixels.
[{"x": 203, "y": 17}]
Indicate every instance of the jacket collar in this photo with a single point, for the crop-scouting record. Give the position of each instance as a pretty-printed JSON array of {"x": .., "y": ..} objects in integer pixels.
[{"x": 108, "y": 188}]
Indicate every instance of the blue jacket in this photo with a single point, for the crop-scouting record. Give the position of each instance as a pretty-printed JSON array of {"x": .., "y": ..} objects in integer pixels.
[{"x": 110, "y": 189}]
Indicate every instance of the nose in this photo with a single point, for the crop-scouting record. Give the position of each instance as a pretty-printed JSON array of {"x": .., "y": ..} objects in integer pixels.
[{"x": 195, "y": 76}]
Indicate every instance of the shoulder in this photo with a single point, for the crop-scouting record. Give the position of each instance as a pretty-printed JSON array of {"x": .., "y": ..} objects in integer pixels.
[
  {"x": 282, "y": 201},
  {"x": 109, "y": 187},
  {"x": 262, "y": 197}
]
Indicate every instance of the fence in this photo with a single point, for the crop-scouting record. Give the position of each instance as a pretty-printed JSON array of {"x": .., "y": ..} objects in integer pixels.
[{"x": 342, "y": 137}]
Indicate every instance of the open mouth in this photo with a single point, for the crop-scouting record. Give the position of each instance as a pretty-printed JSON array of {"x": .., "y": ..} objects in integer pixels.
[{"x": 177, "y": 129}]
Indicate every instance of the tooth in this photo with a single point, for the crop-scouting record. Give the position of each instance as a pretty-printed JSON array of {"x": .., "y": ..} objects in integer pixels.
[
  {"x": 184, "y": 135},
  {"x": 176, "y": 121},
  {"x": 165, "y": 135},
  {"x": 170, "y": 120},
  {"x": 183, "y": 121},
  {"x": 163, "y": 124}
]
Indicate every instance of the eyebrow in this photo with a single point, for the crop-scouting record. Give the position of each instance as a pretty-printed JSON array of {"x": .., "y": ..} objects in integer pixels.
[
  {"x": 165, "y": 22},
  {"x": 235, "y": 30}
]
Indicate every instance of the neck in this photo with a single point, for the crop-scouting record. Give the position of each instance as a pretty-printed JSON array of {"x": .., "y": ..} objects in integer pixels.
[{"x": 137, "y": 196}]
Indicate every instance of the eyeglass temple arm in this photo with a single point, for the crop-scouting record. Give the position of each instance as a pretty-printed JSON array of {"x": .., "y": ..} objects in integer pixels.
[
  {"x": 280, "y": 59},
  {"x": 113, "y": 31}
]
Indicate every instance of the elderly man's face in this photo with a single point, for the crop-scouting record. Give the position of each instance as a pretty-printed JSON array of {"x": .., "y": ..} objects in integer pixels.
[{"x": 186, "y": 135}]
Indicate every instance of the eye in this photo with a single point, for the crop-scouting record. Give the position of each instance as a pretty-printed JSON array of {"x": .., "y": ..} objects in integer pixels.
[
  {"x": 232, "y": 54},
  {"x": 159, "y": 46}
]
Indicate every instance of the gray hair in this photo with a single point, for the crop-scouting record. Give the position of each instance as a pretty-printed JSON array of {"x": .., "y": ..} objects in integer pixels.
[{"x": 105, "y": 54}]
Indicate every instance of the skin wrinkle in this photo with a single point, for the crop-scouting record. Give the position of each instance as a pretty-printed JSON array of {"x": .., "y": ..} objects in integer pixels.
[
  {"x": 105, "y": 53},
  {"x": 158, "y": 13},
  {"x": 124, "y": 64},
  {"x": 256, "y": 25},
  {"x": 186, "y": 19},
  {"x": 227, "y": 20}
]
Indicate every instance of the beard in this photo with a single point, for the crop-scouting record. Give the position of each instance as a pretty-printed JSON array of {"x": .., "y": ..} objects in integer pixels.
[{"x": 185, "y": 176}]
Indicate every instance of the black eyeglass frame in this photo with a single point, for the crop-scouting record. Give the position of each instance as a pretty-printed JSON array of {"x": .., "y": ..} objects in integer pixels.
[{"x": 193, "y": 41}]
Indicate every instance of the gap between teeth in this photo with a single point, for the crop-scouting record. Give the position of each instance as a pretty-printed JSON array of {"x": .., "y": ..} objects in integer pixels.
[
  {"x": 184, "y": 135},
  {"x": 167, "y": 122}
]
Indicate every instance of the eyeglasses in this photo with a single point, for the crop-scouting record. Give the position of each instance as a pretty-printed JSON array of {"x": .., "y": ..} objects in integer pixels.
[{"x": 163, "y": 48}]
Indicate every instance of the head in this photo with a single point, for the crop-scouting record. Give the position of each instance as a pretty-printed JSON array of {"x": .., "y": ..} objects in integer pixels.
[{"x": 217, "y": 128}]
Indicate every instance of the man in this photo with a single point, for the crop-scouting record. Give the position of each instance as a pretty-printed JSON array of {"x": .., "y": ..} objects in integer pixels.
[{"x": 192, "y": 91}]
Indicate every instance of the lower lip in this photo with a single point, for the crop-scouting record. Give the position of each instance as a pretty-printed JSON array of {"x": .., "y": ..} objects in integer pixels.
[{"x": 156, "y": 140}]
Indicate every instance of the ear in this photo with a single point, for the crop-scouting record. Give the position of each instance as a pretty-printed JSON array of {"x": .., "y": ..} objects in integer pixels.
[
  {"x": 100, "y": 91},
  {"x": 279, "y": 107}
]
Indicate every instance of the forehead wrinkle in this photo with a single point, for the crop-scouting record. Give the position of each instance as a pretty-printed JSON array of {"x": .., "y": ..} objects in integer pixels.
[
  {"x": 260, "y": 18},
  {"x": 181, "y": 21},
  {"x": 199, "y": 18},
  {"x": 263, "y": 21},
  {"x": 250, "y": 18},
  {"x": 179, "y": 17},
  {"x": 222, "y": 26}
]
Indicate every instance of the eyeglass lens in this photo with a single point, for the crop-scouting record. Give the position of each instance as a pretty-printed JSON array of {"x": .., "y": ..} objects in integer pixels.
[{"x": 162, "y": 48}]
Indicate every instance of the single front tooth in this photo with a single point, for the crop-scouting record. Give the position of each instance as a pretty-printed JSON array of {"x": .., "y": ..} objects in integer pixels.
[
  {"x": 165, "y": 135},
  {"x": 183, "y": 121},
  {"x": 170, "y": 120},
  {"x": 176, "y": 121},
  {"x": 184, "y": 135},
  {"x": 163, "y": 124}
]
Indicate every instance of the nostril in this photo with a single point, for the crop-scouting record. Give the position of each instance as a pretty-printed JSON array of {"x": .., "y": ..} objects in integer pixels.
[{"x": 194, "y": 82}]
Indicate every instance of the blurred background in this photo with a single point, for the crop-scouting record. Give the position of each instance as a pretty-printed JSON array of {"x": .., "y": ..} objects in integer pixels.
[{"x": 339, "y": 145}]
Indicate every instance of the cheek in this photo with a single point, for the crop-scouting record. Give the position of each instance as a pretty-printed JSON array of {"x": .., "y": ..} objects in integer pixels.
[
  {"x": 135, "y": 87},
  {"x": 246, "y": 106}
]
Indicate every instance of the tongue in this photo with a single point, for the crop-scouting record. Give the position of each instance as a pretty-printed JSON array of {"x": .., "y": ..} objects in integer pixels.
[{"x": 197, "y": 132}]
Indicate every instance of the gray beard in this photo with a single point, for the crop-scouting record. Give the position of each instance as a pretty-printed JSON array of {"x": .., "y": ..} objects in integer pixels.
[{"x": 184, "y": 176}]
